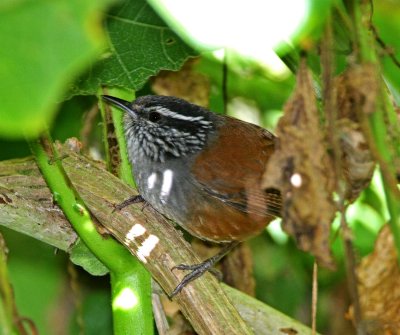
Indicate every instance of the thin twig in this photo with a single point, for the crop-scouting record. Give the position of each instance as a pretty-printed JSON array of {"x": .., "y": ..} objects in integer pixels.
[
  {"x": 330, "y": 105},
  {"x": 77, "y": 296},
  {"x": 350, "y": 269},
  {"x": 159, "y": 315},
  {"x": 21, "y": 322},
  {"x": 314, "y": 299},
  {"x": 373, "y": 120},
  {"x": 388, "y": 50},
  {"x": 10, "y": 320}
]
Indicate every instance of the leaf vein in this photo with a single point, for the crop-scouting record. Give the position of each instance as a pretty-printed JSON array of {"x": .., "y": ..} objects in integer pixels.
[{"x": 140, "y": 24}]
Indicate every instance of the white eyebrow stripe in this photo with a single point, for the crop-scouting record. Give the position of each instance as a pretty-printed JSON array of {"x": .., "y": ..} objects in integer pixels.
[{"x": 169, "y": 113}]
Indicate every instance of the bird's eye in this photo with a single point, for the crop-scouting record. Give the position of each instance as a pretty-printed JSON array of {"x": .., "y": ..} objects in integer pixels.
[{"x": 154, "y": 116}]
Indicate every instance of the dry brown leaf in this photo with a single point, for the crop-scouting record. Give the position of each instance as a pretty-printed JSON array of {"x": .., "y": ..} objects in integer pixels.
[
  {"x": 301, "y": 170},
  {"x": 360, "y": 92},
  {"x": 356, "y": 93},
  {"x": 185, "y": 83},
  {"x": 379, "y": 287}
]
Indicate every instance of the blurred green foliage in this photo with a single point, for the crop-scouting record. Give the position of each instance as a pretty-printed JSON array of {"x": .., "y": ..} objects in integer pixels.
[
  {"x": 37, "y": 275},
  {"x": 386, "y": 14},
  {"x": 55, "y": 50},
  {"x": 44, "y": 45}
]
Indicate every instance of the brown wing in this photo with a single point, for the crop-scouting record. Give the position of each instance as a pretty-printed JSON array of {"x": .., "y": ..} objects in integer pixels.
[{"x": 232, "y": 166}]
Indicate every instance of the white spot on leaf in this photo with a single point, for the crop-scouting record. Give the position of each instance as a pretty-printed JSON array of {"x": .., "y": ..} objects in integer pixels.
[{"x": 296, "y": 180}]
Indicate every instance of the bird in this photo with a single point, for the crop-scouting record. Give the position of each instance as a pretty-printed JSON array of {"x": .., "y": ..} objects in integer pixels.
[{"x": 200, "y": 169}]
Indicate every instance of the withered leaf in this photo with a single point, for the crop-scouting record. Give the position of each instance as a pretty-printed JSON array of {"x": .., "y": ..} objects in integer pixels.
[
  {"x": 185, "y": 83},
  {"x": 301, "y": 170},
  {"x": 356, "y": 93},
  {"x": 379, "y": 287}
]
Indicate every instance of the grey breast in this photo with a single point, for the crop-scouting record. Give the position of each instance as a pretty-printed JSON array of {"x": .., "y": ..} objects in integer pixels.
[{"x": 165, "y": 186}]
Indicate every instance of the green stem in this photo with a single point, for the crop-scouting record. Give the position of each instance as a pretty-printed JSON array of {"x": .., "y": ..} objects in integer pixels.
[
  {"x": 139, "y": 278},
  {"x": 105, "y": 120},
  {"x": 117, "y": 259},
  {"x": 362, "y": 34},
  {"x": 125, "y": 170},
  {"x": 381, "y": 127},
  {"x": 128, "y": 301}
]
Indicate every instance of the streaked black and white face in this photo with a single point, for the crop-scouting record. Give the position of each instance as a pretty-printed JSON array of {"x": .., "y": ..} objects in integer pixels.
[{"x": 161, "y": 126}]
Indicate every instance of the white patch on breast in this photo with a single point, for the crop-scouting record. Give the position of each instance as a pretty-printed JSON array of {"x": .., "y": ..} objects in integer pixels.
[
  {"x": 151, "y": 180},
  {"x": 166, "y": 183}
]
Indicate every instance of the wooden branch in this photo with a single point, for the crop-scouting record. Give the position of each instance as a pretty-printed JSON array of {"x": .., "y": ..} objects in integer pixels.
[{"x": 26, "y": 206}]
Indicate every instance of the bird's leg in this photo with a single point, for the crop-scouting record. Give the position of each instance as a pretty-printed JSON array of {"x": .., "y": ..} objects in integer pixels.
[
  {"x": 196, "y": 270},
  {"x": 132, "y": 200}
]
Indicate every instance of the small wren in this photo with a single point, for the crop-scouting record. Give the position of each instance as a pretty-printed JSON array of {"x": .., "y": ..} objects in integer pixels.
[{"x": 200, "y": 169}]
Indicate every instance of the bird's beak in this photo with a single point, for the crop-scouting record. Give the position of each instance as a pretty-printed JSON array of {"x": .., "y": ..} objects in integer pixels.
[{"x": 123, "y": 104}]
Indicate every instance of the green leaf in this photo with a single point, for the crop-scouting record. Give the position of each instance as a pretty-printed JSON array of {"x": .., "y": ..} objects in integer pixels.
[
  {"x": 141, "y": 45},
  {"x": 44, "y": 45},
  {"x": 82, "y": 256}
]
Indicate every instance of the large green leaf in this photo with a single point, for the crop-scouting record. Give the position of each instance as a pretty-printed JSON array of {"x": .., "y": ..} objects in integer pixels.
[
  {"x": 141, "y": 45},
  {"x": 44, "y": 45},
  {"x": 81, "y": 255}
]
